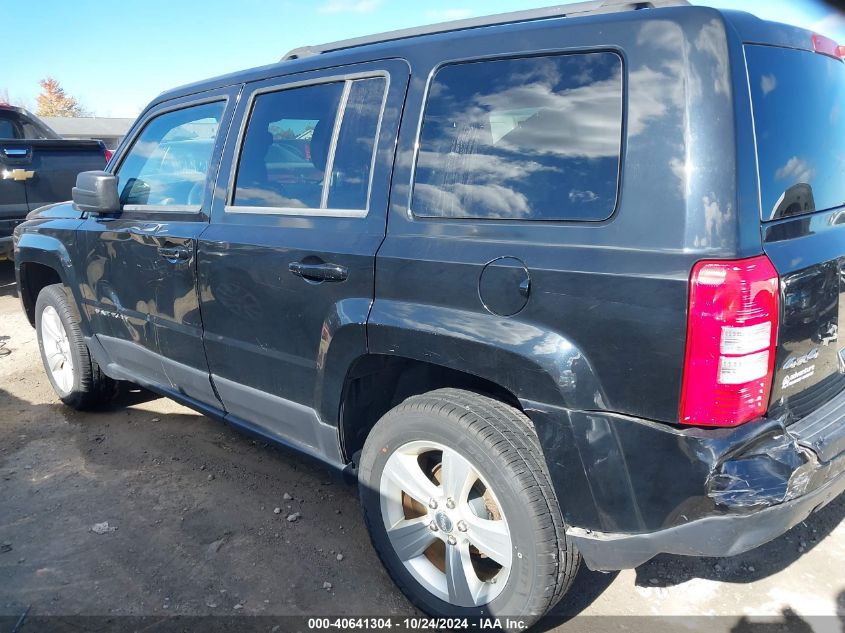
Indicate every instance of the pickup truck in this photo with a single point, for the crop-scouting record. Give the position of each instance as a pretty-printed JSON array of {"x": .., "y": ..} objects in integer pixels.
[{"x": 37, "y": 167}]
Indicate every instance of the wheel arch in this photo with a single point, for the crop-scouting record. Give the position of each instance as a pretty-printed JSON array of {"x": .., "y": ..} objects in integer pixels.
[
  {"x": 540, "y": 372},
  {"x": 375, "y": 383},
  {"x": 41, "y": 261}
]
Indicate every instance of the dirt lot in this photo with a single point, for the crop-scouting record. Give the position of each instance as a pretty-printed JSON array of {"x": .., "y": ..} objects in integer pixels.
[{"x": 193, "y": 503}]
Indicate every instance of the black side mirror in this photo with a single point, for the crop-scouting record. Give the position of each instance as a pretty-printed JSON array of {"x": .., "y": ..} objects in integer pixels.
[{"x": 96, "y": 192}]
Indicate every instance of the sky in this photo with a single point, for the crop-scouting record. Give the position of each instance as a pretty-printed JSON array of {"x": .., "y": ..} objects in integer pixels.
[{"x": 115, "y": 56}]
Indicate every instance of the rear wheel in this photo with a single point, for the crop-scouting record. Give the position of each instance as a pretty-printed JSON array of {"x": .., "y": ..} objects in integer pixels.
[
  {"x": 458, "y": 502},
  {"x": 75, "y": 377}
]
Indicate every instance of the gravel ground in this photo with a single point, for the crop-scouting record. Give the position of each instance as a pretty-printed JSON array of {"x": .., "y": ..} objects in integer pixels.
[{"x": 193, "y": 528}]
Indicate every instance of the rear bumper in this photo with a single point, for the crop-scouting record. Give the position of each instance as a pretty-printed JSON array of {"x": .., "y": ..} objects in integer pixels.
[
  {"x": 715, "y": 535},
  {"x": 631, "y": 489}
]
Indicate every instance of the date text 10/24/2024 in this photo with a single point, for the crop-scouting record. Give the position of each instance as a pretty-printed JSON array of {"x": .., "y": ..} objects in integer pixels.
[{"x": 418, "y": 624}]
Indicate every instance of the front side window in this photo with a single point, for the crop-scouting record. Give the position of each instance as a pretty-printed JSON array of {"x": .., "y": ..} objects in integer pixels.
[
  {"x": 168, "y": 163},
  {"x": 535, "y": 138},
  {"x": 310, "y": 147}
]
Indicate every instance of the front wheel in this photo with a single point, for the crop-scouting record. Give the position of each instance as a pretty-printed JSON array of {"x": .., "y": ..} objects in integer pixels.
[
  {"x": 75, "y": 377},
  {"x": 460, "y": 509}
]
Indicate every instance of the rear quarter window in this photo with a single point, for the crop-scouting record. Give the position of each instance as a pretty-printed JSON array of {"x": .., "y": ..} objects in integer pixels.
[
  {"x": 798, "y": 99},
  {"x": 534, "y": 138}
]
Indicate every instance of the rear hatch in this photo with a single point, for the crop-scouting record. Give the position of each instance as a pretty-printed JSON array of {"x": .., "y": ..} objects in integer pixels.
[{"x": 798, "y": 98}]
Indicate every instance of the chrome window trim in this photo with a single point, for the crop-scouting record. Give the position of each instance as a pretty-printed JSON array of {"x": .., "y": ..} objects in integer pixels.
[
  {"x": 164, "y": 208},
  {"x": 328, "y": 213},
  {"x": 307, "y": 211},
  {"x": 338, "y": 121}
]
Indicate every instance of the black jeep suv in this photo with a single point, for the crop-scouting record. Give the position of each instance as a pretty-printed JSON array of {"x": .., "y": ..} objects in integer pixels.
[{"x": 555, "y": 285}]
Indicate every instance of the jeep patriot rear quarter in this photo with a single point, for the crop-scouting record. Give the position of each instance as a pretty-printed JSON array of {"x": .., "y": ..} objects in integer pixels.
[{"x": 554, "y": 285}]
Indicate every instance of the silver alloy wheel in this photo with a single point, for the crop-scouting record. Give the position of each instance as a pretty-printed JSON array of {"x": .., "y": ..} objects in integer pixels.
[
  {"x": 57, "y": 350},
  {"x": 445, "y": 524}
]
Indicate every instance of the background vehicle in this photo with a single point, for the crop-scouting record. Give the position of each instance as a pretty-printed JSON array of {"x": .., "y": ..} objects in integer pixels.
[
  {"x": 37, "y": 167},
  {"x": 546, "y": 283}
]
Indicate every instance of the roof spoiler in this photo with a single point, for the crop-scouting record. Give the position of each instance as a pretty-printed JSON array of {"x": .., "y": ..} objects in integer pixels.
[{"x": 592, "y": 7}]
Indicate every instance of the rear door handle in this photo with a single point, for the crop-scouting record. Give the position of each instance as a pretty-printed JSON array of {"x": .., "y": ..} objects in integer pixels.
[
  {"x": 174, "y": 253},
  {"x": 319, "y": 272}
]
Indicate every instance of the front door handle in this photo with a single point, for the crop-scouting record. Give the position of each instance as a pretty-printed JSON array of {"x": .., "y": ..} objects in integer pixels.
[
  {"x": 319, "y": 272},
  {"x": 174, "y": 253}
]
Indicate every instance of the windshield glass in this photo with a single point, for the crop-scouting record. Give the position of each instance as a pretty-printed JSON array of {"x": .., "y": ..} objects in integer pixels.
[{"x": 798, "y": 97}]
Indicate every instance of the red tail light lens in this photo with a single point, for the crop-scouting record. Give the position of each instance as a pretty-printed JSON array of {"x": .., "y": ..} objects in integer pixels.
[
  {"x": 109, "y": 153},
  {"x": 827, "y": 46},
  {"x": 731, "y": 342}
]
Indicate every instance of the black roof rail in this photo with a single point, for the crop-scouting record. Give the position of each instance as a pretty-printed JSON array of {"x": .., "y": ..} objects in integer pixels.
[{"x": 591, "y": 7}]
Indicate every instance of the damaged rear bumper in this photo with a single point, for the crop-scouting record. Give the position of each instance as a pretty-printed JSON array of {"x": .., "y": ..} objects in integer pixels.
[
  {"x": 655, "y": 488},
  {"x": 725, "y": 534}
]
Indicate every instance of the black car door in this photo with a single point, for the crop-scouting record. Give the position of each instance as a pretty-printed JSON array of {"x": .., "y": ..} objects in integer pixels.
[
  {"x": 286, "y": 266},
  {"x": 140, "y": 279}
]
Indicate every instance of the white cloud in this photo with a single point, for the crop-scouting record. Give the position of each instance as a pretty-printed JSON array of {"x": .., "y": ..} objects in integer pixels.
[
  {"x": 582, "y": 196},
  {"x": 714, "y": 222},
  {"x": 445, "y": 15},
  {"x": 768, "y": 83},
  {"x": 651, "y": 94},
  {"x": 498, "y": 201},
  {"x": 711, "y": 41},
  {"x": 485, "y": 167},
  {"x": 350, "y": 6},
  {"x": 796, "y": 170},
  {"x": 596, "y": 108}
]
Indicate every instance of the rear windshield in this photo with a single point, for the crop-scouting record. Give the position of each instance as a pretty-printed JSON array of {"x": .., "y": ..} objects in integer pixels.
[
  {"x": 798, "y": 98},
  {"x": 17, "y": 126}
]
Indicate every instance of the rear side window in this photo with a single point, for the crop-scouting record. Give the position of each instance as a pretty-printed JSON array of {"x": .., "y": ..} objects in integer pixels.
[
  {"x": 168, "y": 163},
  {"x": 523, "y": 139},
  {"x": 798, "y": 99},
  {"x": 310, "y": 147}
]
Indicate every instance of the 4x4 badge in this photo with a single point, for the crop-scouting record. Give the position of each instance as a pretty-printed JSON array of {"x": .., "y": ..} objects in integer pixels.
[{"x": 797, "y": 361}]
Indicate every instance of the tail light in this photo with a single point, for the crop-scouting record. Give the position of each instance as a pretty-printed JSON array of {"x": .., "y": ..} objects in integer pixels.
[
  {"x": 731, "y": 342},
  {"x": 827, "y": 46},
  {"x": 109, "y": 153}
]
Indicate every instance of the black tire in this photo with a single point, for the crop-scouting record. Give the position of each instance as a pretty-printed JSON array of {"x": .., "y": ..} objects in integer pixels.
[
  {"x": 91, "y": 387},
  {"x": 500, "y": 443}
]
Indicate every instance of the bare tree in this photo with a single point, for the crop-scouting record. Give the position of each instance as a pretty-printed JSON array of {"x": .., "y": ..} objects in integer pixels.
[
  {"x": 54, "y": 101},
  {"x": 5, "y": 97}
]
